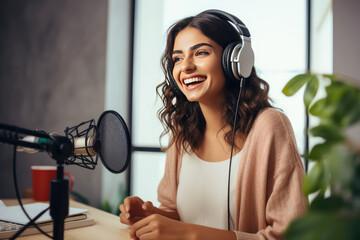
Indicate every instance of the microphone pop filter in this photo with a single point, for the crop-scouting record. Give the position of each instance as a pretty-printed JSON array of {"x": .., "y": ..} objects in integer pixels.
[{"x": 115, "y": 142}]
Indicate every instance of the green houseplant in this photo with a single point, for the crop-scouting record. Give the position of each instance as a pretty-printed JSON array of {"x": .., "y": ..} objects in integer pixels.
[{"x": 335, "y": 177}]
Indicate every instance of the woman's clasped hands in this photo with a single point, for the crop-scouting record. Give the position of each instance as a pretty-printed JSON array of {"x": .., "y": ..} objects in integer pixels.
[
  {"x": 134, "y": 209},
  {"x": 149, "y": 222}
]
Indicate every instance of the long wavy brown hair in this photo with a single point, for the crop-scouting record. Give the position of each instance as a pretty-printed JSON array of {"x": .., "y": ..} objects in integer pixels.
[{"x": 184, "y": 119}]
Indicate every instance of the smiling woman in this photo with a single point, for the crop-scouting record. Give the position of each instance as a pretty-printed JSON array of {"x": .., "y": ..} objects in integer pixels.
[
  {"x": 280, "y": 54},
  {"x": 208, "y": 65}
]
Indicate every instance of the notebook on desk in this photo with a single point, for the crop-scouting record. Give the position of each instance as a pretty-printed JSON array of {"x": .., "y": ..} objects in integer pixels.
[{"x": 13, "y": 218}]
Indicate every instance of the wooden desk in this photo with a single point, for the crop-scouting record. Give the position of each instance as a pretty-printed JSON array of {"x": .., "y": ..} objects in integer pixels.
[{"x": 107, "y": 226}]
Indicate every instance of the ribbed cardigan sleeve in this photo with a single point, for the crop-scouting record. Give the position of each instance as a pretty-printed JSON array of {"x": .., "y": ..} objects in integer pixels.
[
  {"x": 269, "y": 182},
  {"x": 167, "y": 189}
]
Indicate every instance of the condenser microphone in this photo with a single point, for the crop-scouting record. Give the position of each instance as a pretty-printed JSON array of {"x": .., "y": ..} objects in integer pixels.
[{"x": 109, "y": 140}]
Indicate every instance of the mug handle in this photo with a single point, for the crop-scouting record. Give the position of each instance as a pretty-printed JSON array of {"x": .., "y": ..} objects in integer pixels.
[{"x": 71, "y": 178}]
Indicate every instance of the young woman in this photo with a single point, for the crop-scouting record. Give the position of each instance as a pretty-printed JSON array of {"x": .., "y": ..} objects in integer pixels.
[{"x": 200, "y": 198}]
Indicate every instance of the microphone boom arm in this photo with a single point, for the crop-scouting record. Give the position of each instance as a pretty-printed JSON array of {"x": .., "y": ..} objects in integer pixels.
[
  {"x": 9, "y": 134},
  {"x": 59, "y": 147}
]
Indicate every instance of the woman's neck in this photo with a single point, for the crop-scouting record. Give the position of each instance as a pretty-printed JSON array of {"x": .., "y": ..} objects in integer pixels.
[
  {"x": 213, "y": 116},
  {"x": 213, "y": 146}
]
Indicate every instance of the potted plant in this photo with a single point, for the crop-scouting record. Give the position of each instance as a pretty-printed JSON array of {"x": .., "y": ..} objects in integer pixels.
[{"x": 335, "y": 177}]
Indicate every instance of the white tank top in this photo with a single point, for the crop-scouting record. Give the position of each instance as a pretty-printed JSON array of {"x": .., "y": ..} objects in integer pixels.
[{"x": 202, "y": 191}]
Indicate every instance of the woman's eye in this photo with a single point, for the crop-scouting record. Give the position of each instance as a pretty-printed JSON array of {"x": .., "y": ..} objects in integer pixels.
[
  {"x": 201, "y": 53},
  {"x": 176, "y": 59}
]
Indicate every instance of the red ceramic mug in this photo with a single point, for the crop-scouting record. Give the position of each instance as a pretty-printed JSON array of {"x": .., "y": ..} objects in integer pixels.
[{"x": 41, "y": 177}]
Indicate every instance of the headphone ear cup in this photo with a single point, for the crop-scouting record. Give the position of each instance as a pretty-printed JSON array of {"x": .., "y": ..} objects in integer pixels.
[
  {"x": 226, "y": 63},
  {"x": 173, "y": 84}
]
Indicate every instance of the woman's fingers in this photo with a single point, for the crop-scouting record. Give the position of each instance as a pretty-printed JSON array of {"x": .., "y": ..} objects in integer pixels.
[
  {"x": 142, "y": 232},
  {"x": 148, "y": 206},
  {"x": 132, "y": 203},
  {"x": 135, "y": 209},
  {"x": 124, "y": 220},
  {"x": 124, "y": 215},
  {"x": 124, "y": 212},
  {"x": 138, "y": 227},
  {"x": 127, "y": 204},
  {"x": 122, "y": 208}
]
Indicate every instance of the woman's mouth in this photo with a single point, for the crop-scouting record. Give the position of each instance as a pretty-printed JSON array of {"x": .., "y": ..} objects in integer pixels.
[{"x": 191, "y": 83}]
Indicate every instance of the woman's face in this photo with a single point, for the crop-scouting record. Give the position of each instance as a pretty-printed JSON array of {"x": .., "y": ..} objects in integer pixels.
[{"x": 197, "y": 66}]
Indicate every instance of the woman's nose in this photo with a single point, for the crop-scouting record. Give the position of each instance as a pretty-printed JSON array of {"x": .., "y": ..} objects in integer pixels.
[{"x": 187, "y": 65}]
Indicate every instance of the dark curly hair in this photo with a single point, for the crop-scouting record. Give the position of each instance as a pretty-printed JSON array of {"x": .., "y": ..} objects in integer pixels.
[{"x": 184, "y": 119}]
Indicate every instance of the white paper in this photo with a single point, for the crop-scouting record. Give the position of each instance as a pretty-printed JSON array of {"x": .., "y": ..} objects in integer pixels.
[{"x": 16, "y": 215}]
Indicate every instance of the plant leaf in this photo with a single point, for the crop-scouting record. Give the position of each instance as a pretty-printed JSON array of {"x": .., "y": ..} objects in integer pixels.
[
  {"x": 321, "y": 108},
  {"x": 341, "y": 162},
  {"x": 329, "y": 204},
  {"x": 328, "y": 132},
  {"x": 311, "y": 90},
  {"x": 310, "y": 226},
  {"x": 295, "y": 84},
  {"x": 324, "y": 225},
  {"x": 319, "y": 151},
  {"x": 105, "y": 206},
  {"x": 332, "y": 77},
  {"x": 315, "y": 179}
]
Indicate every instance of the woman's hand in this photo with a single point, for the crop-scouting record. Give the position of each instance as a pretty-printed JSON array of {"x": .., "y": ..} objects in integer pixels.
[
  {"x": 134, "y": 209},
  {"x": 160, "y": 228}
]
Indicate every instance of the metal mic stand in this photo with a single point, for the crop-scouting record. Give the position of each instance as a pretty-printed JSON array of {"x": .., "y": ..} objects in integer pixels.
[
  {"x": 59, "y": 202},
  {"x": 59, "y": 148}
]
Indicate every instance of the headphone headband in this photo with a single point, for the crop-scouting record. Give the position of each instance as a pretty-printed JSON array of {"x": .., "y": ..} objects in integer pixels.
[{"x": 241, "y": 27}]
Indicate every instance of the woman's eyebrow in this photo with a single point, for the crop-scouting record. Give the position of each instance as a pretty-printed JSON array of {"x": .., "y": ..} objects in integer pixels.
[
  {"x": 200, "y": 45},
  {"x": 192, "y": 48}
]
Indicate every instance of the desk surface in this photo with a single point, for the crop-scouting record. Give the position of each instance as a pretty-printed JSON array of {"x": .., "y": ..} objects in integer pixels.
[{"x": 107, "y": 226}]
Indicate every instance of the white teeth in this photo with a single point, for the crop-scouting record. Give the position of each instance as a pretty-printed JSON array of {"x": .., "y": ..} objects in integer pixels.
[{"x": 192, "y": 80}]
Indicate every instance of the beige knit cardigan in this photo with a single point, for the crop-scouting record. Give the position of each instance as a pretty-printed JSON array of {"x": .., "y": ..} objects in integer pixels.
[{"x": 269, "y": 179}]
